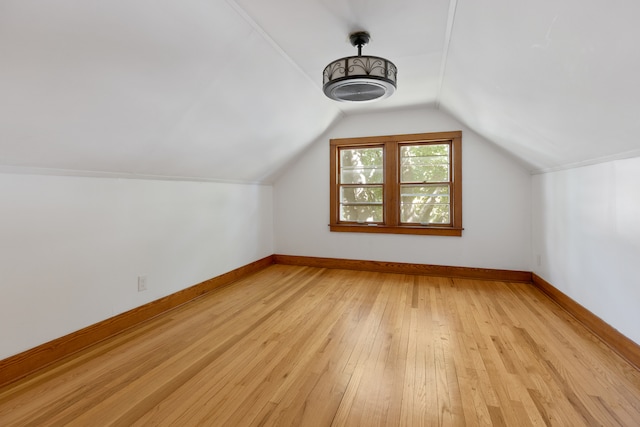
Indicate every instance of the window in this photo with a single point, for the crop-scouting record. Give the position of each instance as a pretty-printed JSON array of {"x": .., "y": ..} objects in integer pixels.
[{"x": 405, "y": 184}]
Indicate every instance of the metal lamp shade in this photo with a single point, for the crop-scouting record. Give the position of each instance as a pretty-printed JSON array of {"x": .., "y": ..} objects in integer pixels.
[{"x": 360, "y": 79}]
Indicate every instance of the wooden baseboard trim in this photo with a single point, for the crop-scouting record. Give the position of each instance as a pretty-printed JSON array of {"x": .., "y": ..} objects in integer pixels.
[
  {"x": 623, "y": 346},
  {"x": 22, "y": 364},
  {"x": 27, "y": 362},
  {"x": 406, "y": 268}
]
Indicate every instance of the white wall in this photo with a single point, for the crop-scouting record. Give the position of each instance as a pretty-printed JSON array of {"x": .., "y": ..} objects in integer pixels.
[
  {"x": 496, "y": 202},
  {"x": 586, "y": 228},
  {"x": 71, "y": 248}
]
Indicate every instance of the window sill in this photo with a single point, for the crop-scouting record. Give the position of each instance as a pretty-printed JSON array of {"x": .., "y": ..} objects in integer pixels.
[{"x": 404, "y": 229}]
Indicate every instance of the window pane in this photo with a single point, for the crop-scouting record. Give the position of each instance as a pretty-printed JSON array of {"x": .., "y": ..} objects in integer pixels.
[
  {"x": 424, "y": 163},
  {"x": 361, "y": 213},
  {"x": 361, "y": 204},
  {"x": 425, "y": 204},
  {"x": 361, "y": 166}
]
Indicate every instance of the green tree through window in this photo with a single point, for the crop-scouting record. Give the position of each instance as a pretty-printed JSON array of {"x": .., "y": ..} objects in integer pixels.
[
  {"x": 424, "y": 184},
  {"x": 361, "y": 185},
  {"x": 410, "y": 184}
]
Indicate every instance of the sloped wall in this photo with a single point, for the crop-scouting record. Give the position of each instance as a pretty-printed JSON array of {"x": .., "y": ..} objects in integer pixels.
[
  {"x": 496, "y": 202},
  {"x": 586, "y": 238},
  {"x": 72, "y": 248}
]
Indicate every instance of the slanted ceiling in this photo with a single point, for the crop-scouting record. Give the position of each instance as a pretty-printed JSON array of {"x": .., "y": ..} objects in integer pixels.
[{"x": 231, "y": 90}]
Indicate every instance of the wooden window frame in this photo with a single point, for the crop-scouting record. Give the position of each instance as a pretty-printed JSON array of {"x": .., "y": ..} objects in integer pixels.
[{"x": 391, "y": 194}]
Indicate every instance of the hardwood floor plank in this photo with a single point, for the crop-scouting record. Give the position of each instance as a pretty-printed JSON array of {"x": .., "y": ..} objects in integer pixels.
[{"x": 310, "y": 346}]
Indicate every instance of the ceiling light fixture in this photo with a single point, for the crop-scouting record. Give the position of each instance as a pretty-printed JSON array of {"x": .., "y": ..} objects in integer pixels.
[{"x": 360, "y": 78}]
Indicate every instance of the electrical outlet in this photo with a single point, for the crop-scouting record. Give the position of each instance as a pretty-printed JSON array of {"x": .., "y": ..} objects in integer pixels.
[{"x": 142, "y": 283}]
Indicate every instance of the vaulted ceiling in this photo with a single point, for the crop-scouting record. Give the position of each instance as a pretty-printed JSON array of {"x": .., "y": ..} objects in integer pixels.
[{"x": 231, "y": 89}]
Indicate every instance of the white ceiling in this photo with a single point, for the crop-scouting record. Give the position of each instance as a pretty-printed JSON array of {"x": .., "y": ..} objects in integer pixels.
[{"x": 231, "y": 90}]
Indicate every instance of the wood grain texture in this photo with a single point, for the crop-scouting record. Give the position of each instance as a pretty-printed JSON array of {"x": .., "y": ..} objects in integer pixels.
[
  {"x": 611, "y": 336},
  {"x": 434, "y": 231},
  {"x": 391, "y": 184},
  {"x": 320, "y": 347},
  {"x": 406, "y": 268},
  {"x": 31, "y": 360}
]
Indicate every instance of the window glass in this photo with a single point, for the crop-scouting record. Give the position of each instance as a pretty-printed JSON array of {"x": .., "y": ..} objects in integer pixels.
[
  {"x": 361, "y": 166},
  {"x": 425, "y": 204},
  {"x": 404, "y": 184},
  {"x": 361, "y": 203},
  {"x": 424, "y": 163}
]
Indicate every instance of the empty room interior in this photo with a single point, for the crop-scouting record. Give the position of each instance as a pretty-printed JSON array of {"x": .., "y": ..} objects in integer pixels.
[{"x": 319, "y": 213}]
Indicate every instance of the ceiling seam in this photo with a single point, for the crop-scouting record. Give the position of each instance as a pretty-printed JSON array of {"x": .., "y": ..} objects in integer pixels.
[
  {"x": 34, "y": 170},
  {"x": 589, "y": 162},
  {"x": 453, "y": 5},
  {"x": 244, "y": 15}
]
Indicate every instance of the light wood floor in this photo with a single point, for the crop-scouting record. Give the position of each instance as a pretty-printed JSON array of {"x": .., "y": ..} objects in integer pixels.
[{"x": 296, "y": 346}]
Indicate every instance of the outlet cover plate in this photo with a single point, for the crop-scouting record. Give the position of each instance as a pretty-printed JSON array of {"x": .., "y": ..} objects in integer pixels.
[{"x": 142, "y": 283}]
